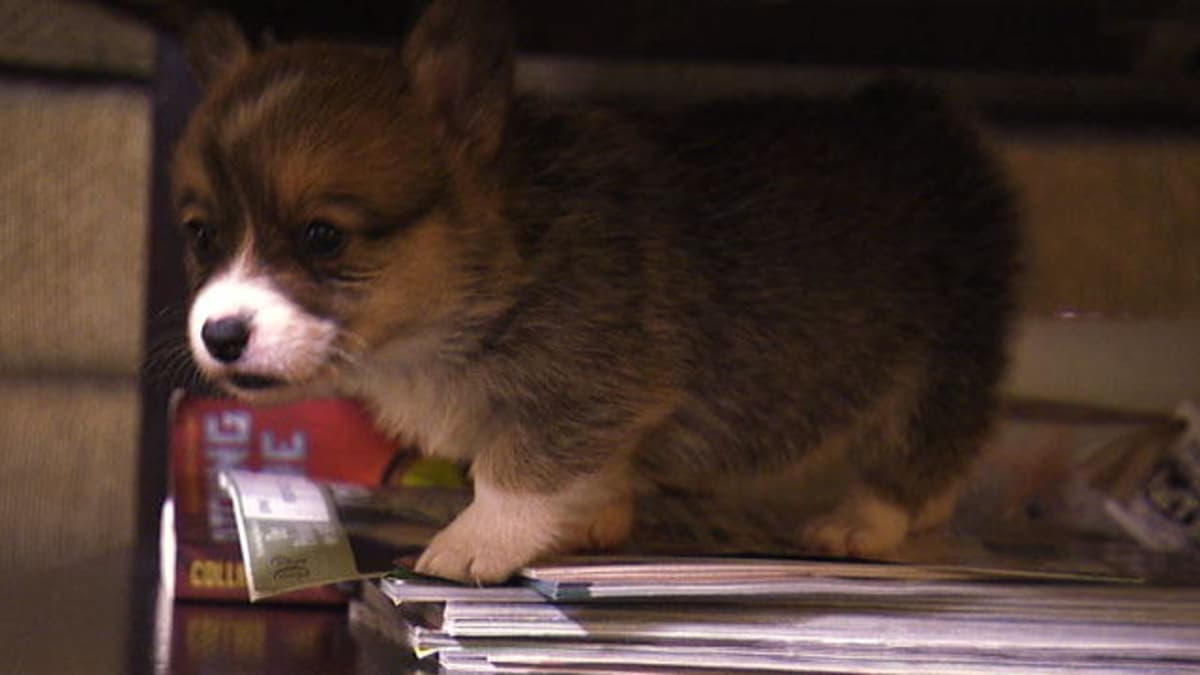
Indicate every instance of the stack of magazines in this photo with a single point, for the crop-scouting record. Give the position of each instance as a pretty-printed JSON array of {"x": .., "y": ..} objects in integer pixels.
[
  {"x": 651, "y": 609},
  {"x": 728, "y": 615}
]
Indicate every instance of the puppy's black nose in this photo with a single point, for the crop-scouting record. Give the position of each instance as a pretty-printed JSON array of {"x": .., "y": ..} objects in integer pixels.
[{"x": 226, "y": 338}]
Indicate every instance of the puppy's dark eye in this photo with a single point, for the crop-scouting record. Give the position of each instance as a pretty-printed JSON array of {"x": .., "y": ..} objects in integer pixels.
[
  {"x": 323, "y": 239},
  {"x": 201, "y": 236}
]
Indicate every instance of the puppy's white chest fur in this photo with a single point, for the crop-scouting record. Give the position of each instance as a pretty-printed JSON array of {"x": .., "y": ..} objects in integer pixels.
[{"x": 423, "y": 405}]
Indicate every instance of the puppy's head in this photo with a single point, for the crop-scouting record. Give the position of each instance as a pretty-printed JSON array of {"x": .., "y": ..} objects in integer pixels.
[{"x": 339, "y": 200}]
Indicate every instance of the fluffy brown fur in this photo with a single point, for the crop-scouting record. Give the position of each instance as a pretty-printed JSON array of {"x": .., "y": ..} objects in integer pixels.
[{"x": 586, "y": 300}]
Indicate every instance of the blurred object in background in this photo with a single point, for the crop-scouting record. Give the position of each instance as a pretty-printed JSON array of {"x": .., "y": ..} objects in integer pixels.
[{"x": 74, "y": 175}]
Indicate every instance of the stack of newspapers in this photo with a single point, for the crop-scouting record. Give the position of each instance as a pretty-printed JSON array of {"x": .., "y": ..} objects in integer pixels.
[{"x": 765, "y": 609}]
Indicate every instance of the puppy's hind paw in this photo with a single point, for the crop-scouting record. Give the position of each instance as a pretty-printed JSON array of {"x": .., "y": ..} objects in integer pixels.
[{"x": 863, "y": 525}]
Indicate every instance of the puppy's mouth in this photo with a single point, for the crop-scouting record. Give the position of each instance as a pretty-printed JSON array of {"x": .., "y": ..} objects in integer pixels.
[{"x": 254, "y": 382}]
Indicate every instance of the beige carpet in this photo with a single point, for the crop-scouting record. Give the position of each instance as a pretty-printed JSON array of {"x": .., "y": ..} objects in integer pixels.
[
  {"x": 74, "y": 169},
  {"x": 67, "y": 470},
  {"x": 77, "y": 36},
  {"x": 74, "y": 181}
]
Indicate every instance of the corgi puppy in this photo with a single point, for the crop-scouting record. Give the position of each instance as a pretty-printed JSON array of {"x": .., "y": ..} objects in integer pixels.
[{"x": 588, "y": 301}]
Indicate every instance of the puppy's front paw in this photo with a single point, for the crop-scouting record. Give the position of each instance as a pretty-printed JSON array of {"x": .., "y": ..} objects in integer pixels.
[
  {"x": 482, "y": 546},
  {"x": 502, "y": 531},
  {"x": 862, "y": 525}
]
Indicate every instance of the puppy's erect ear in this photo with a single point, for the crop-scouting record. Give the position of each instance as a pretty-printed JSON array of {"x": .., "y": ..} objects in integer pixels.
[
  {"x": 216, "y": 47},
  {"x": 459, "y": 58}
]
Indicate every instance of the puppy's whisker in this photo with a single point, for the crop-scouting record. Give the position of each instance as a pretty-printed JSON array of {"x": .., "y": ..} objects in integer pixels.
[
  {"x": 170, "y": 363},
  {"x": 352, "y": 341},
  {"x": 346, "y": 356}
]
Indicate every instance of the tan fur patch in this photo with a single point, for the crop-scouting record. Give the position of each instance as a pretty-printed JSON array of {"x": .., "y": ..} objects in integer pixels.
[
  {"x": 248, "y": 116},
  {"x": 415, "y": 290}
]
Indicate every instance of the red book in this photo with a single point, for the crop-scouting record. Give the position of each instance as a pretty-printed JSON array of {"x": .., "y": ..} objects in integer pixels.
[{"x": 326, "y": 439}]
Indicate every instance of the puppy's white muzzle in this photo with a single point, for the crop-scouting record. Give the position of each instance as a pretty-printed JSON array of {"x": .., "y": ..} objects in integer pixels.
[{"x": 244, "y": 332}]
